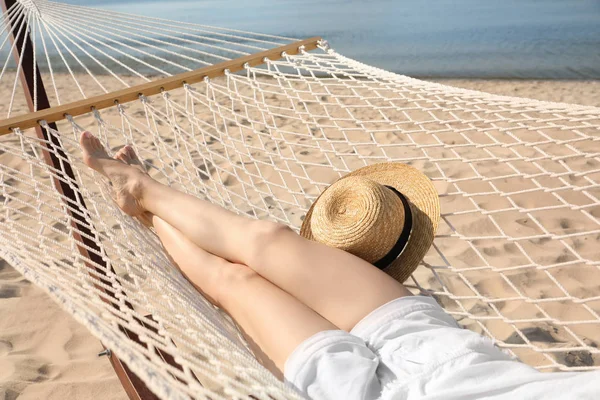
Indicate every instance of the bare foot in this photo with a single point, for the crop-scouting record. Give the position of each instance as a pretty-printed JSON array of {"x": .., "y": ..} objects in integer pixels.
[
  {"x": 127, "y": 155},
  {"x": 127, "y": 181}
]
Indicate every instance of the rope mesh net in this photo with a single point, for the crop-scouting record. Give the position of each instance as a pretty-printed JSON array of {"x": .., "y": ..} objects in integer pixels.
[{"x": 515, "y": 258}]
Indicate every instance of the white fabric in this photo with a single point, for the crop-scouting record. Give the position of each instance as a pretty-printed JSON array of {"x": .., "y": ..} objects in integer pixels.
[{"x": 411, "y": 349}]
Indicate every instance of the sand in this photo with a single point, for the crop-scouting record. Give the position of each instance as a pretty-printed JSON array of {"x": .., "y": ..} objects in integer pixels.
[
  {"x": 585, "y": 93},
  {"x": 46, "y": 354}
]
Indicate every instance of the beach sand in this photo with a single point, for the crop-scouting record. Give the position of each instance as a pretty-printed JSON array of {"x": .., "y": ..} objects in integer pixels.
[
  {"x": 585, "y": 93},
  {"x": 46, "y": 354}
]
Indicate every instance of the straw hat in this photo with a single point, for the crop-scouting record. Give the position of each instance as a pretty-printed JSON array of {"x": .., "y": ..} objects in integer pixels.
[{"x": 386, "y": 214}]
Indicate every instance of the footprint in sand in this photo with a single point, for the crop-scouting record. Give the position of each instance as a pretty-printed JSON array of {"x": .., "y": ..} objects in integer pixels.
[
  {"x": 9, "y": 291},
  {"x": 203, "y": 172},
  {"x": 28, "y": 370},
  {"x": 7, "y": 273},
  {"x": 535, "y": 334},
  {"x": 9, "y": 394},
  {"x": 5, "y": 347},
  {"x": 43, "y": 373},
  {"x": 581, "y": 358}
]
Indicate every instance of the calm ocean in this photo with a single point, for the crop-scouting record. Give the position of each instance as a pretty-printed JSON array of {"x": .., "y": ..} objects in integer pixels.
[{"x": 552, "y": 39}]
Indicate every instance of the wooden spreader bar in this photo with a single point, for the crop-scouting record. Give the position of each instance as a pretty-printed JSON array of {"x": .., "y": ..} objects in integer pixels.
[{"x": 84, "y": 106}]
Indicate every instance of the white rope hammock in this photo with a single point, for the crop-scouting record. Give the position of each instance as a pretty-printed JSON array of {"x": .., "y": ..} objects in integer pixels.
[{"x": 516, "y": 256}]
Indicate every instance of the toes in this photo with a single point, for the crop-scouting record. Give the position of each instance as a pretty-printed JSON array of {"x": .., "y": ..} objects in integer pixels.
[
  {"x": 130, "y": 152},
  {"x": 86, "y": 141},
  {"x": 122, "y": 155},
  {"x": 90, "y": 143},
  {"x": 134, "y": 159},
  {"x": 94, "y": 153},
  {"x": 127, "y": 155}
]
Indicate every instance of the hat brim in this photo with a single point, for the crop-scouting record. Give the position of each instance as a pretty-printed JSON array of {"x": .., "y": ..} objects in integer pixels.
[{"x": 425, "y": 208}]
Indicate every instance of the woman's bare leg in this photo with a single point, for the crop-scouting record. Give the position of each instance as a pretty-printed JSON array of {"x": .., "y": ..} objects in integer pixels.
[
  {"x": 274, "y": 320},
  {"x": 229, "y": 285},
  {"x": 339, "y": 286}
]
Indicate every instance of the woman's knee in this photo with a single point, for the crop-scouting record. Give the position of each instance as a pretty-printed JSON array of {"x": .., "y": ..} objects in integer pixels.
[
  {"x": 263, "y": 237},
  {"x": 229, "y": 279}
]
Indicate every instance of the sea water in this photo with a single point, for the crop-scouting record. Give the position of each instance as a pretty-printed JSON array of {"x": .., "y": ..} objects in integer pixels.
[{"x": 549, "y": 39}]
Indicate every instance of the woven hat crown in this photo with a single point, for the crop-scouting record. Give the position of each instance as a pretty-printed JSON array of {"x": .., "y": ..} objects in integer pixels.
[{"x": 360, "y": 216}]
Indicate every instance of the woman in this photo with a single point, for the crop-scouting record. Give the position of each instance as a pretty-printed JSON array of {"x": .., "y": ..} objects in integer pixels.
[{"x": 346, "y": 329}]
